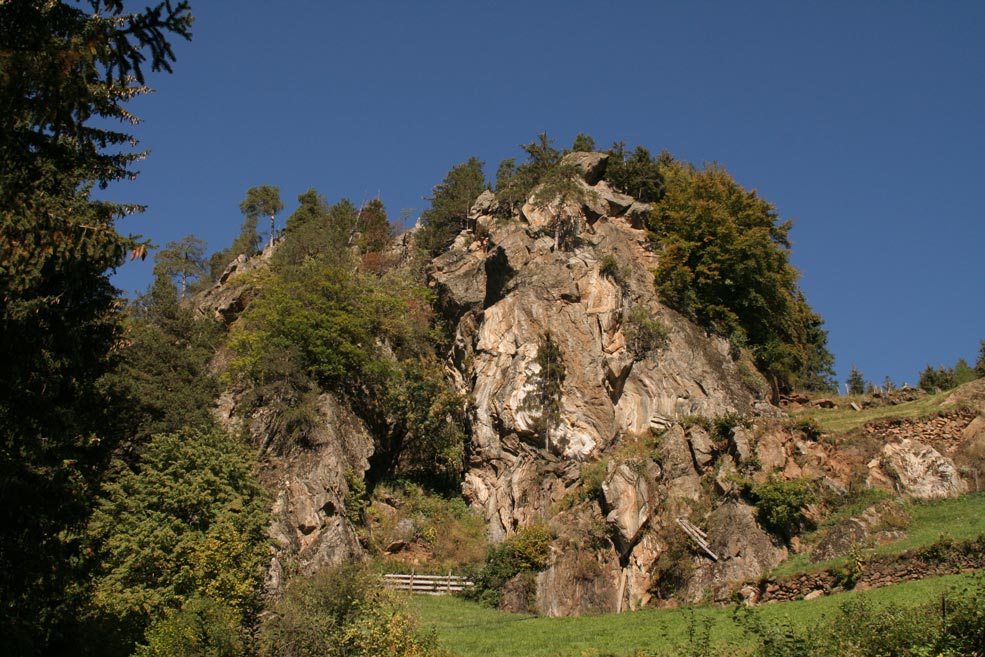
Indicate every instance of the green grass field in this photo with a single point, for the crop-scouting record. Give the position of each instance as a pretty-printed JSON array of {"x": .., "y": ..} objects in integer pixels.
[
  {"x": 845, "y": 418},
  {"x": 961, "y": 519},
  {"x": 472, "y": 630}
]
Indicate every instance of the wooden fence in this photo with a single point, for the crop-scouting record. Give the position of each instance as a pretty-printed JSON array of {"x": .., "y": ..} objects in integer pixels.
[{"x": 427, "y": 584}]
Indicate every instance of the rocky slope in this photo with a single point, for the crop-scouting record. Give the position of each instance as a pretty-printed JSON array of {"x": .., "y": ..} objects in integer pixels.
[
  {"x": 641, "y": 392},
  {"x": 506, "y": 284}
]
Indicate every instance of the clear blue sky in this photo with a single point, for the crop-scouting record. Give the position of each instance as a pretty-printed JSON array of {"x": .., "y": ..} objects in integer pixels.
[{"x": 863, "y": 121}]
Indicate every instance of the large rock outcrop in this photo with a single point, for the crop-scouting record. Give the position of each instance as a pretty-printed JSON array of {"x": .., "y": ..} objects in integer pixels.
[
  {"x": 506, "y": 285},
  {"x": 311, "y": 485}
]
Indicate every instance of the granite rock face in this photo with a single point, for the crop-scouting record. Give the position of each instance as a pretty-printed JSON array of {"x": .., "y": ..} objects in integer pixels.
[
  {"x": 310, "y": 486},
  {"x": 917, "y": 470},
  {"x": 505, "y": 286}
]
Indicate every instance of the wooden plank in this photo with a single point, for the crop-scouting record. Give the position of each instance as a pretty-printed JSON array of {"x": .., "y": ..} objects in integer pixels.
[
  {"x": 427, "y": 584},
  {"x": 696, "y": 535}
]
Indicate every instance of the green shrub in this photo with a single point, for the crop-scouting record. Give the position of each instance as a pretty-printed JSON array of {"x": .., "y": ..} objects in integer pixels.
[
  {"x": 342, "y": 611},
  {"x": 673, "y": 567},
  {"x": 644, "y": 335},
  {"x": 609, "y": 267},
  {"x": 779, "y": 504},
  {"x": 526, "y": 551},
  {"x": 201, "y": 628},
  {"x": 592, "y": 476},
  {"x": 809, "y": 427}
]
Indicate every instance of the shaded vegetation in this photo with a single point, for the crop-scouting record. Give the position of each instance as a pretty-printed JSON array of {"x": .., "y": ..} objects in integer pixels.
[
  {"x": 67, "y": 74},
  {"x": 725, "y": 263}
]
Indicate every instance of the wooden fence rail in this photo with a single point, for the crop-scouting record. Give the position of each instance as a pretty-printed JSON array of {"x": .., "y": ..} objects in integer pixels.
[{"x": 427, "y": 584}]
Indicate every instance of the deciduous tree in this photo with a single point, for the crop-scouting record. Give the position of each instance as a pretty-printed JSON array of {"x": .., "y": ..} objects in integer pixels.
[{"x": 725, "y": 262}]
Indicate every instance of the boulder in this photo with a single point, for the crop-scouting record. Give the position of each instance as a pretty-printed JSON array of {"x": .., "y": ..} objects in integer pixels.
[
  {"x": 627, "y": 490},
  {"x": 745, "y": 551},
  {"x": 919, "y": 470},
  {"x": 879, "y": 522},
  {"x": 702, "y": 448},
  {"x": 590, "y": 164}
]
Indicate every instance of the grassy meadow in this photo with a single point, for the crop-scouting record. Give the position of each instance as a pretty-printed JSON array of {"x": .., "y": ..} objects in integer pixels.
[{"x": 470, "y": 630}]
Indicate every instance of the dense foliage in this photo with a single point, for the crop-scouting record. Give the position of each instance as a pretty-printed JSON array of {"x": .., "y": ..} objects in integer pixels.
[
  {"x": 780, "y": 504},
  {"x": 725, "y": 262},
  {"x": 183, "y": 517},
  {"x": 66, "y": 75},
  {"x": 320, "y": 324},
  {"x": 526, "y": 552},
  {"x": 451, "y": 201},
  {"x": 343, "y": 612},
  {"x": 163, "y": 378}
]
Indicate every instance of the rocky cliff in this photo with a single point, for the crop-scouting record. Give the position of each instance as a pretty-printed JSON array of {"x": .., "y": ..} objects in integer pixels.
[
  {"x": 506, "y": 284},
  {"x": 648, "y": 418}
]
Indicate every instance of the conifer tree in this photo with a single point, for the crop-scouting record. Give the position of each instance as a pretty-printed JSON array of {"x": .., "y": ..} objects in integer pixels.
[
  {"x": 855, "y": 382},
  {"x": 263, "y": 201},
  {"x": 451, "y": 201},
  {"x": 183, "y": 259},
  {"x": 66, "y": 74}
]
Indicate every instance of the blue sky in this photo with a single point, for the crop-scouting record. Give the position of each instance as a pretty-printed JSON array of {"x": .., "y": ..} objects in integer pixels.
[{"x": 862, "y": 121}]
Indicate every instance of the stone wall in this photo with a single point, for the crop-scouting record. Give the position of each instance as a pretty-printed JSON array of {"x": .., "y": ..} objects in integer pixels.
[{"x": 942, "y": 558}]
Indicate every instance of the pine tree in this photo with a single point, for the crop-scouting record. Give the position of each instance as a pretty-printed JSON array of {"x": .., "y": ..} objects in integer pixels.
[
  {"x": 855, "y": 382},
  {"x": 67, "y": 75},
  {"x": 263, "y": 201},
  {"x": 451, "y": 201},
  {"x": 184, "y": 260}
]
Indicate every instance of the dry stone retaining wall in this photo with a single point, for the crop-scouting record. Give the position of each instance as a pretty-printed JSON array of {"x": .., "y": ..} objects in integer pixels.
[{"x": 942, "y": 558}]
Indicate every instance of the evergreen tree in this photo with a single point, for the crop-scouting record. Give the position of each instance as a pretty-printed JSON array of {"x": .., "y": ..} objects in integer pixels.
[
  {"x": 549, "y": 383},
  {"x": 451, "y": 201},
  {"x": 855, "y": 382},
  {"x": 583, "y": 142},
  {"x": 637, "y": 173},
  {"x": 936, "y": 380},
  {"x": 246, "y": 243},
  {"x": 164, "y": 372},
  {"x": 263, "y": 201},
  {"x": 184, "y": 260},
  {"x": 183, "y": 517},
  {"x": 963, "y": 373},
  {"x": 67, "y": 74},
  {"x": 514, "y": 184},
  {"x": 980, "y": 361},
  {"x": 375, "y": 231},
  {"x": 558, "y": 190}
]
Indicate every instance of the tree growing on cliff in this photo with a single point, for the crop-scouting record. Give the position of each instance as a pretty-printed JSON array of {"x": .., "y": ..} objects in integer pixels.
[
  {"x": 559, "y": 190},
  {"x": 725, "y": 263},
  {"x": 451, "y": 200},
  {"x": 548, "y": 386},
  {"x": 66, "y": 75},
  {"x": 637, "y": 174},
  {"x": 263, "y": 201},
  {"x": 183, "y": 259}
]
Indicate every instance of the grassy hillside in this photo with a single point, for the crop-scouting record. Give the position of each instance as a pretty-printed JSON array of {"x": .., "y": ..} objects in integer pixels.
[
  {"x": 845, "y": 418},
  {"x": 471, "y": 630},
  {"x": 960, "y": 519}
]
